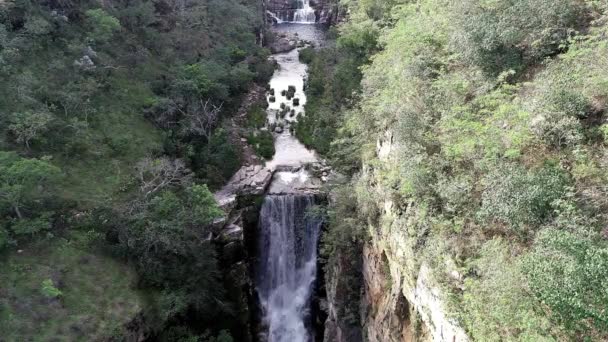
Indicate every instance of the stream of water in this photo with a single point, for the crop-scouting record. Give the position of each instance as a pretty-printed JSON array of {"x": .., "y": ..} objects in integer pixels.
[{"x": 288, "y": 238}]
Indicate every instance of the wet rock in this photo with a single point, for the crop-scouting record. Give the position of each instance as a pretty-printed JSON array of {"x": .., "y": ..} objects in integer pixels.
[
  {"x": 272, "y": 99},
  {"x": 296, "y": 102},
  {"x": 282, "y": 44}
]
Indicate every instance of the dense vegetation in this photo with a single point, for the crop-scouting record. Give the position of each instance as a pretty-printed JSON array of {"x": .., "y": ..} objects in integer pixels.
[
  {"x": 111, "y": 118},
  {"x": 496, "y": 111}
]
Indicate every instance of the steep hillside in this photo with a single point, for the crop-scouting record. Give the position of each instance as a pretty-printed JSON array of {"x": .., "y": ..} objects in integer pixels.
[
  {"x": 111, "y": 134},
  {"x": 475, "y": 140}
]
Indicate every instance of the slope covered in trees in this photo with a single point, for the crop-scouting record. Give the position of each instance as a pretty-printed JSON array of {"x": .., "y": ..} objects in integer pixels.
[
  {"x": 111, "y": 116},
  {"x": 496, "y": 114}
]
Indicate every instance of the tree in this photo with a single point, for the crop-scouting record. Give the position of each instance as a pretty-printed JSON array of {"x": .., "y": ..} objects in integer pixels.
[
  {"x": 24, "y": 181},
  {"x": 155, "y": 175},
  {"x": 103, "y": 25},
  {"x": 202, "y": 118},
  {"x": 168, "y": 241},
  {"x": 29, "y": 125}
]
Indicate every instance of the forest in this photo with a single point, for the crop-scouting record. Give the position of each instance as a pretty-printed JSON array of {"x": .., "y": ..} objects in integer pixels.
[{"x": 111, "y": 139}]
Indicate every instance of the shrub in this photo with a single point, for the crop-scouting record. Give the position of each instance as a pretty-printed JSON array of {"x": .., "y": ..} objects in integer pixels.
[
  {"x": 306, "y": 55},
  {"x": 567, "y": 271},
  {"x": 49, "y": 290},
  {"x": 557, "y": 129},
  {"x": 256, "y": 117},
  {"x": 102, "y": 24},
  {"x": 263, "y": 143},
  {"x": 496, "y": 305},
  {"x": 501, "y": 35},
  {"x": 516, "y": 196}
]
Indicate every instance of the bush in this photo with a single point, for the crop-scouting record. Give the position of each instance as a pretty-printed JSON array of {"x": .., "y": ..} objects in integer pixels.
[
  {"x": 558, "y": 129},
  {"x": 263, "y": 143},
  {"x": 49, "y": 290},
  {"x": 502, "y": 35},
  {"x": 306, "y": 55},
  {"x": 496, "y": 305},
  {"x": 519, "y": 197},
  {"x": 218, "y": 160},
  {"x": 256, "y": 117},
  {"x": 567, "y": 271}
]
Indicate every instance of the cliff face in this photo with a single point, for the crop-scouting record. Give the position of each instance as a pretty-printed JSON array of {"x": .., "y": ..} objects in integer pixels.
[{"x": 400, "y": 301}]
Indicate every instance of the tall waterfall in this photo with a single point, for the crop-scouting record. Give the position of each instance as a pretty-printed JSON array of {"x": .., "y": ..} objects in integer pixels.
[
  {"x": 304, "y": 13},
  {"x": 287, "y": 266}
]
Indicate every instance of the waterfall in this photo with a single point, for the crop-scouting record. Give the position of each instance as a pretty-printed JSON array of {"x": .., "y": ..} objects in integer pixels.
[
  {"x": 287, "y": 266},
  {"x": 304, "y": 13},
  {"x": 274, "y": 16}
]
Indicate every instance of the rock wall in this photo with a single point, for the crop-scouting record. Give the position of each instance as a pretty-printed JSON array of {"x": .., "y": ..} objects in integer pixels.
[
  {"x": 401, "y": 300},
  {"x": 343, "y": 285}
]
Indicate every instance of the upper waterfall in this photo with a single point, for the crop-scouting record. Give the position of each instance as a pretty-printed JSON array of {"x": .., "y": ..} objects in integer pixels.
[
  {"x": 284, "y": 12},
  {"x": 304, "y": 13}
]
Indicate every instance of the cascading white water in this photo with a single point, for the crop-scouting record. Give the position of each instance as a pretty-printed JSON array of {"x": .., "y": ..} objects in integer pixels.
[
  {"x": 304, "y": 13},
  {"x": 287, "y": 266}
]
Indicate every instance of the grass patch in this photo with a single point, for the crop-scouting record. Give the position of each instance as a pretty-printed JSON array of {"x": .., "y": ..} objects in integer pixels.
[{"x": 92, "y": 294}]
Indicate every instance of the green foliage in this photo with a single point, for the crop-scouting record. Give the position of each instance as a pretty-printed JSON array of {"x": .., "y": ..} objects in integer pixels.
[
  {"x": 341, "y": 247},
  {"x": 218, "y": 160},
  {"x": 263, "y": 143},
  {"x": 31, "y": 226},
  {"x": 96, "y": 86},
  {"x": 306, "y": 55},
  {"x": 479, "y": 126},
  {"x": 167, "y": 242},
  {"x": 53, "y": 284},
  {"x": 519, "y": 197},
  {"x": 497, "y": 305},
  {"x": 567, "y": 271},
  {"x": 29, "y": 126},
  {"x": 502, "y": 35},
  {"x": 49, "y": 290},
  {"x": 25, "y": 185},
  {"x": 103, "y": 25},
  {"x": 256, "y": 117}
]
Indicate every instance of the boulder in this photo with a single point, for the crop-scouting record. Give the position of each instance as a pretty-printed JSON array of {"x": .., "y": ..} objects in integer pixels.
[{"x": 282, "y": 44}]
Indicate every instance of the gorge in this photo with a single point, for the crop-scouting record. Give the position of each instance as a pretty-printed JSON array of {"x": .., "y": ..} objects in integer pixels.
[{"x": 303, "y": 170}]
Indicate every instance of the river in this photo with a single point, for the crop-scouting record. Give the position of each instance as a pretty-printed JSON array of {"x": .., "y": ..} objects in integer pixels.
[{"x": 288, "y": 236}]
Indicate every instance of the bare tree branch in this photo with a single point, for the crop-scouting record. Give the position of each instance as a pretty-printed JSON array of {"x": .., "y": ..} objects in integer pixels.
[{"x": 157, "y": 174}]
